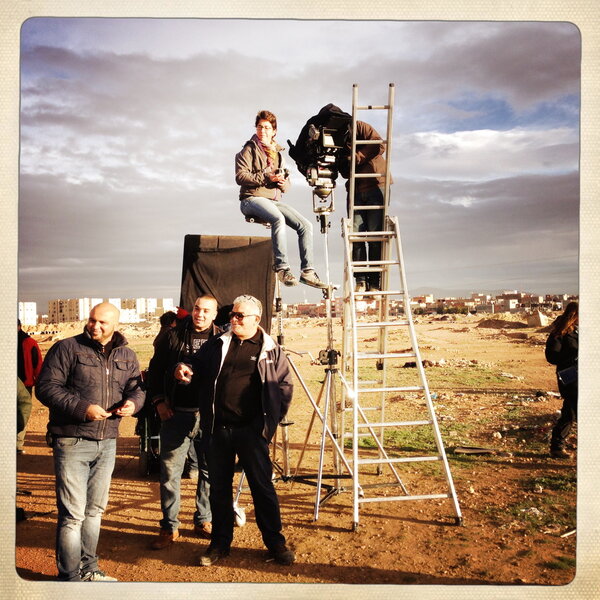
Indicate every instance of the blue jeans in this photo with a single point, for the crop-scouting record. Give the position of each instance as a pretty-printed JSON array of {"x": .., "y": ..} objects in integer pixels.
[
  {"x": 279, "y": 215},
  {"x": 176, "y": 436},
  {"x": 368, "y": 220},
  {"x": 83, "y": 469}
]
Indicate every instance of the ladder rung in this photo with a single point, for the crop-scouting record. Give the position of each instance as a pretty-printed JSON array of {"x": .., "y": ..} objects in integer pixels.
[
  {"x": 381, "y": 323},
  {"x": 380, "y": 293},
  {"x": 371, "y": 238},
  {"x": 369, "y": 207},
  {"x": 368, "y": 270},
  {"x": 373, "y": 263},
  {"x": 406, "y": 388},
  {"x": 362, "y": 355},
  {"x": 395, "y": 424},
  {"x": 373, "y": 107},
  {"x": 367, "y": 234},
  {"x": 395, "y": 498},
  {"x": 372, "y": 142},
  {"x": 368, "y": 175},
  {"x": 381, "y": 461}
]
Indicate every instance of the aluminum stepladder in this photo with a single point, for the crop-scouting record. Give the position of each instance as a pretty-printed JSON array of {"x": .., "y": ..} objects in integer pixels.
[{"x": 378, "y": 388}]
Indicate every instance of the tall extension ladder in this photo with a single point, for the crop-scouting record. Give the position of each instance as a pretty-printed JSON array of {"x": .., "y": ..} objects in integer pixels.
[{"x": 392, "y": 416}]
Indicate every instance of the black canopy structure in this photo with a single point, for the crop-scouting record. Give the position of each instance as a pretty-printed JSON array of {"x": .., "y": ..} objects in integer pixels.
[{"x": 226, "y": 266}]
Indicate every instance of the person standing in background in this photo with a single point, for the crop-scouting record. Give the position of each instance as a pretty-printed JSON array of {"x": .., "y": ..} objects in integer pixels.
[
  {"x": 562, "y": 348},
  {"x": 29, "y": 366}
]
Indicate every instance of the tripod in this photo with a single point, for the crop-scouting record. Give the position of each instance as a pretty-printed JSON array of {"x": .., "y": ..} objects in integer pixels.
[{"x": 328, "y": 358}]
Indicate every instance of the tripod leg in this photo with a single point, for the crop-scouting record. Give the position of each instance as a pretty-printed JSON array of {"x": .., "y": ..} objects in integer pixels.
[
  {"x": 323, "y": 437},
  {"x": 312, "y": 419}
]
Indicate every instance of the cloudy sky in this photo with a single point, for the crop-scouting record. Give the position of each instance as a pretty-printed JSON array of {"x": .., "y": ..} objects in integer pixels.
[{"x": 129, "y": 128}]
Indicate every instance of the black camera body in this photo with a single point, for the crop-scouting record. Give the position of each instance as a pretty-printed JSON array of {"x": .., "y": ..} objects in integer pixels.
[
  {"x": 320, "y": 148},
  {"x": 284, "y": 172}
]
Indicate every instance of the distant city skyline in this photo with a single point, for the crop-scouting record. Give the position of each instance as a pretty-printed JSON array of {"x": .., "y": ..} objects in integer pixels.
[{"x": 129, "y": 129}]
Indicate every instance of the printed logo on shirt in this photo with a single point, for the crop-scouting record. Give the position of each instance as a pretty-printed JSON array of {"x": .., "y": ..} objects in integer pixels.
[{"x": 197, "y": 343}]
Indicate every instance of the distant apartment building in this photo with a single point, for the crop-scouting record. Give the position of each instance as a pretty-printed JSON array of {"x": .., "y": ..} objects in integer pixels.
[
  {"x": 71, "y": 309},
  {"x": 27, "y": 313},
  {"x": 133, "y": 310}
]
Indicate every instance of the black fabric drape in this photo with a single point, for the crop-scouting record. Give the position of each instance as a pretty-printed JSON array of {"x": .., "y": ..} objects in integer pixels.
[{"x": 225, "y": 267}]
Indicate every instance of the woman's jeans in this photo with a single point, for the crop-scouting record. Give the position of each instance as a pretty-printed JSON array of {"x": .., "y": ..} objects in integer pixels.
[
  {"x": 279, "y": 215},
  {"x": 83, "y": 470}
]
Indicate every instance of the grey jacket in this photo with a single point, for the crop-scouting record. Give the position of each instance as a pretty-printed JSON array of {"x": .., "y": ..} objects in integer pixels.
[
  {"x": 252, "y": 169},
  {"x": 76, "y": 374}
]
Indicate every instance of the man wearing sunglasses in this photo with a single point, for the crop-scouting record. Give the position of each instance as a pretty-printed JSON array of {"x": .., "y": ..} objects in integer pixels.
[
  {"x": 177, "y": 407},
  {"x": 245, "y": 389}
]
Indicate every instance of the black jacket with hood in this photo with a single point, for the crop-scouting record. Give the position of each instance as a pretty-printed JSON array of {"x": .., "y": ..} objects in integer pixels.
[{"x": 77, "y": 373}]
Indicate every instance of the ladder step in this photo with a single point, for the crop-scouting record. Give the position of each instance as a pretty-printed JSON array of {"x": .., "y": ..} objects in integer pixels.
[
  {"x": 372, "y": 142},
  {"x": 381, "y": 461},
  {"x": 406, "y": 388},
  {"x": 380, "y": 293},
  {"x": 395, "y": 498},
  {"x": 368, "y": 270},
  {"x": 372, "y": 324},
  {"x": 373, "y": 263},
  {"x": 368, "y": 234},
  {"x": 368, "y": 207},
  {"x": 363, "y": 355},
  {"x": 373, "y": 107},
  {"x": 371, "y": 238},
  {"x": 368, "y": 175},
  {"x": 394, "y": 424}
]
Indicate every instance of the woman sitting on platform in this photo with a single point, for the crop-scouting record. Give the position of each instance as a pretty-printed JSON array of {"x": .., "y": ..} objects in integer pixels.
[{"x": 261, "y": 174}]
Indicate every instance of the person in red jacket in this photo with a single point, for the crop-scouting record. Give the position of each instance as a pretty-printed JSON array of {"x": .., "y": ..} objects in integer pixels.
[{"x": 29, "y": 365}]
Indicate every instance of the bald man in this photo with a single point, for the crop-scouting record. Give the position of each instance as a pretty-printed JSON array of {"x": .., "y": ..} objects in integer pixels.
[{"x": 89, "y": 382}]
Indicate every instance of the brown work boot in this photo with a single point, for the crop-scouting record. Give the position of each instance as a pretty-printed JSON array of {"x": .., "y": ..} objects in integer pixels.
[
  {"x": 559, "y": 453},
  {"x": 203, "y": 530},
  {"x": 164, "y": 539}
]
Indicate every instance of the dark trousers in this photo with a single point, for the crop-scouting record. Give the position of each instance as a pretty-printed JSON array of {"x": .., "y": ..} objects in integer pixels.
[
  {"x": 568, "y": 415},
  {"x": 368, "y": 220},
  {"x": 253, "y": 453}
]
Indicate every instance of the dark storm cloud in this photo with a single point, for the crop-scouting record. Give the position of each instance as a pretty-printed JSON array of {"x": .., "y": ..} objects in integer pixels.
[{"x": 508, "y": 225}]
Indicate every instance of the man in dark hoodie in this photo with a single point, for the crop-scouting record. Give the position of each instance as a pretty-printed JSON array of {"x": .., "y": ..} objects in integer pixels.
[
  {"x": 89, "y": 382},
  {"x": 177, "y": 407}
]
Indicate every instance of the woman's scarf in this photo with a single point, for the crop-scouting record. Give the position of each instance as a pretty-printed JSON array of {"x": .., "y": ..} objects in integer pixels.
[
  {"x": 270, "y": 151},
  {"x": 272, "y": 159}
]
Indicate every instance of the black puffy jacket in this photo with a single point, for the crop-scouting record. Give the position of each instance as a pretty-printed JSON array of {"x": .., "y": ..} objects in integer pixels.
[
  {"x": 76, "y": 374},
  {"x": 562, "y": 350}
]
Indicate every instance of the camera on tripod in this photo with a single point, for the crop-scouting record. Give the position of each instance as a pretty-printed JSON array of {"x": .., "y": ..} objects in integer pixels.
[
  {"x": 321, "y": 145},
  {"x": 322, "y": 172}
]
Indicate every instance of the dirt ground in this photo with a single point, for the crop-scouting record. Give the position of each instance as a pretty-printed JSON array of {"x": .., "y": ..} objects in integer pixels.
[{"x": 518, "y": 505}]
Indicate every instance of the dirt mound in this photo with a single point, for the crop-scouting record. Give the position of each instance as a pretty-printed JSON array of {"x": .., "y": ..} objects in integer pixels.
[{"x": 501, "y": 324}]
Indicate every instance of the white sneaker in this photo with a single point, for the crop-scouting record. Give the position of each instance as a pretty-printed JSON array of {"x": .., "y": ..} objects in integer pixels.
[
  {"x": 97, "y": 576},
  {"x": 361, "y": 287}
]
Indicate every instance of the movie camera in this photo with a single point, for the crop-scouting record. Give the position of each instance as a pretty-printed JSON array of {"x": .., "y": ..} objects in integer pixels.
[{"x": 319, "y": 151}]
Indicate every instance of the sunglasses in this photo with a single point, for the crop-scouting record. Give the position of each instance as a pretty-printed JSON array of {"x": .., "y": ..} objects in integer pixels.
[{"x": 240, "y": 316}]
